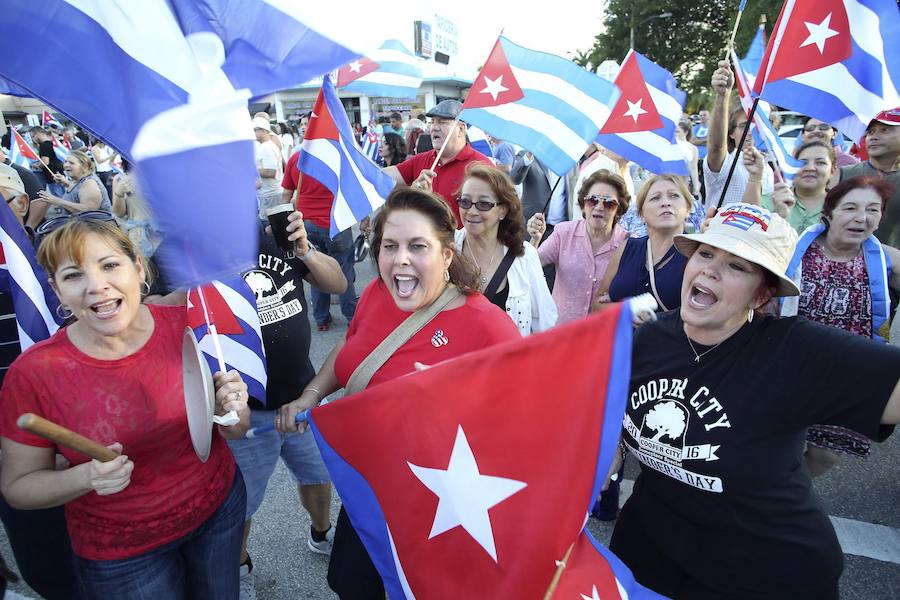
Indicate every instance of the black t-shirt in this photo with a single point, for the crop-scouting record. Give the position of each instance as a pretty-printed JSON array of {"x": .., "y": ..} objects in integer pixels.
[
  {"x": 722, "y": 488},
  {"x": 46, "y": 150},
  {"x": 277, "y": 282}
]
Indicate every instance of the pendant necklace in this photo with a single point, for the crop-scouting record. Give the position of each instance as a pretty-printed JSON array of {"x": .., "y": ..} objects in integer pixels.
[
  {"x": 483, "y": 279},
  {"x": 694, "y": 350}
]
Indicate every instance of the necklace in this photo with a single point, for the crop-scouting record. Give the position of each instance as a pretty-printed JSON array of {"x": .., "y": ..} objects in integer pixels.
[
  {"x": 694, "y": 350},
  {"x": 475, "y": 260}
]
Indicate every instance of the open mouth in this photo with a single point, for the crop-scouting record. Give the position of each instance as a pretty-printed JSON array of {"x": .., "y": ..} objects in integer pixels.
[
  {"x": 856, "y": 230},
  {"x": 405, "y": 285},
  {"x": 106, "y": 309},
  {"x": 701, "y": 298}
]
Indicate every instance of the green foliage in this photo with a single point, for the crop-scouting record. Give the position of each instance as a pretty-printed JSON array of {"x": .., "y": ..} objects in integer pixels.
[{"x": 689, "y": 43}]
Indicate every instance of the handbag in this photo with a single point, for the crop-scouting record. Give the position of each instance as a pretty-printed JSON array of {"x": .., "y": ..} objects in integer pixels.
[{"x": 399, "y": 336}]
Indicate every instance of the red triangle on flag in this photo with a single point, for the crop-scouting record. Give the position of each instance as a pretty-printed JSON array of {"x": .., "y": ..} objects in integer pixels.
[
  {"x": 495, "y": 84},
  {"x": 321, "y": 125},
  {"x": 355, "y": 69},
  {"x": 635, "y": 110},
  {"x": 220, "y": 314},
  {"x": 817, "y": 34},
  {"x": 24, "y": 149}
]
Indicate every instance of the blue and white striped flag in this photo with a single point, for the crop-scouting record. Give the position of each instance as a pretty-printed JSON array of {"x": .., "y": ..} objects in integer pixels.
[
  {"x": 25, "y": 280},
  {"x": 479, "y": 141},
  {"x": 391, "y": 71},
  {"x": 331, "y": 157},
  {"x": 20, "y": 153},
  {"x": 371, "y": 142},
  {"x": 542, "y": 102}
]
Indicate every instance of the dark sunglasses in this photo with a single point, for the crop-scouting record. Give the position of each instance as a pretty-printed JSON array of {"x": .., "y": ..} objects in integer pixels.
[
  {"x": 88, "y": 215},
  {"x": 608, "y": 201},
  {"x": 481, "y": 205},
  {"x": 820, "y": 127}
]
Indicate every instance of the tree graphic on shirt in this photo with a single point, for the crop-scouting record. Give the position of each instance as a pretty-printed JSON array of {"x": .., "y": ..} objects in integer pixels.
[{"x": 667, "y": 419}]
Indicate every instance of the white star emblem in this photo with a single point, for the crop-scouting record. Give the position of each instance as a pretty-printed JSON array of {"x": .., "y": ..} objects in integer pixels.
[
  {"x": 313, "y": 115},
  {"x": 355, "y": 66},
  {"x": 494, "y": 86},
  {"x": 819, "y": 33},
  {"x": 634, "y": 109},
  {"x": 465, "y": 495},
  {"x": 595, "y": 595}
]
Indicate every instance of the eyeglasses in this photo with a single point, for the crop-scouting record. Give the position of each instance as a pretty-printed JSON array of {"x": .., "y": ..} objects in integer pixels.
[
  {"x": 608, "y": 201},
  {"x": 820, "y": 127},
  {"x": 481, "y": 205},
  {"x": 88, "y": 215}
]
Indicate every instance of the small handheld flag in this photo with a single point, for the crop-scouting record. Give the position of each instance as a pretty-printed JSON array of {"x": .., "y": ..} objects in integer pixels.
[
  {"x": 49, "y": 120},
  {"x": 20, "y": 153}
]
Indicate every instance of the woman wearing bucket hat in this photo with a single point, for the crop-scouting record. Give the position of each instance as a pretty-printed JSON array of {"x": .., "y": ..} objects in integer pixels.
[{"x": 720, "y": 400}]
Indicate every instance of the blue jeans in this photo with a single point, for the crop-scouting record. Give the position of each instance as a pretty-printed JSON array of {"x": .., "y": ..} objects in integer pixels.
[
  {"x": 340, "y": 249},
  {"x": 203, "y": 565}
]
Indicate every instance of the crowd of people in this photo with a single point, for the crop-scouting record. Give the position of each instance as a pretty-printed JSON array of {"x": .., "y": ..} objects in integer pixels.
[{"x": 484, "y": 249}]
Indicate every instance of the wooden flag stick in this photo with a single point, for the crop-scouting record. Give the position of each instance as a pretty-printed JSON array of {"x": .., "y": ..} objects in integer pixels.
[
  {"x": 560, "y": 566},
  {"x": 65, "y": 437},
  {"x": 737, "y": 22},
  {"x": 447, "y": 137}
]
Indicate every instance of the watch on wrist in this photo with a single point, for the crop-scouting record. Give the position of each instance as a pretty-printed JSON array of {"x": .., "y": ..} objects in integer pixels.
[{"x": 309, "y": 252}]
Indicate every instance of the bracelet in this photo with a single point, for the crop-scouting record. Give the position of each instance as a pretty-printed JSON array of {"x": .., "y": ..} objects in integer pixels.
[
  {"x": 312, "y": 389},
  {"x": 310, "y": 250},
  {"x": 754, "y": 180}
]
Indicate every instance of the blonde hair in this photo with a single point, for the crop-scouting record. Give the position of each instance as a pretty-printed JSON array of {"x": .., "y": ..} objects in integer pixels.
[
  {"x": 676, "y": 180},
  {"x": 68, "y": 242},
  {"x": 85, "y": 160}
]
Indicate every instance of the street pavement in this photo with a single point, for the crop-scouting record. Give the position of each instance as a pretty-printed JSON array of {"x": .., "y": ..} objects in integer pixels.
[{"x": 863, "y": 496}]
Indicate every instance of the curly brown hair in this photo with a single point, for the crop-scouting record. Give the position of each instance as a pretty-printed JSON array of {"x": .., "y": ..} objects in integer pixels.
[
  {"x": 511, "y": 231},
  {"x": 610, "y": 179},
  {"x": 463, "y": 273}
]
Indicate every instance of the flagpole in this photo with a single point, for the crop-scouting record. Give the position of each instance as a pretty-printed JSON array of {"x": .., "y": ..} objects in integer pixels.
[
  {"x": 737, "y": 152},
  {"x": 212, "y": 331},
  {"x": 550, "y": 197},
  {"x": 560, "y": 566},
  {"x": 737, "y": 22},
  {"x": 444, "y": 145}
]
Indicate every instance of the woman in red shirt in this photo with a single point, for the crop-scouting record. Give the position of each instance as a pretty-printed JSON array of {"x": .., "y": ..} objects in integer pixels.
[
  {"x": 414, "y": 251},
  {"x": 155, "y": 522}
]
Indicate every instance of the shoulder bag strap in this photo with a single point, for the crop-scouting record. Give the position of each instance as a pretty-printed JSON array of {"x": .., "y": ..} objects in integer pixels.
[
  {"x": 499, "y": 274},
  {"x": 651, "y": 270},
  {"x": 399, "y": 336}
]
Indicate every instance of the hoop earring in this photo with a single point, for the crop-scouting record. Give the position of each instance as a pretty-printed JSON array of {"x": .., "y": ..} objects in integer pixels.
[
  {"x": 143, "y": 292},
  {"x": 750, "y": 316},
  {"x": 66, "y": 312},
  {"x": 446, "y": 276}
]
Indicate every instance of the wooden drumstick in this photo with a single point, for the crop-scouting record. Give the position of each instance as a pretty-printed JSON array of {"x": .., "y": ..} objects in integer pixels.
[{"x": 65, "y": 437}]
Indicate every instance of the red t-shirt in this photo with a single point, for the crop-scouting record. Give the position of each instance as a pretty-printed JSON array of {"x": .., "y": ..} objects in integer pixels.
[
  {"x": 451, "y": 333},
  {"x": 137, "y": 401},
  {"x": 449, "y": 176},
  {"x": 314, "y": 200}
]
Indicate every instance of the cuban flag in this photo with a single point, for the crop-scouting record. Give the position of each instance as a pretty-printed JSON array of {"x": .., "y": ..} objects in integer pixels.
[
  {"x": 231, "y": 307},
  {"x": 20, "y": 153},
  {"x": 592, "y": 572},
  {"x": 184, "y": 72},
  {"x": 25, "y": 280},
  {"x": 643, "y": 121},
  {"x": 391, "y": 71},
  {"x": 60, "y": 149},
  {"x": 371, "y": 142},
  {"x": 443, "y": 493},
  {"x": 331, "y": 157},
  {"x": 836, "y": 60},
  {"x": 755, "y": 52},
  {"x": 49, "y": 120},
  {"x": 544, "y": 103},
  {"x": 764, "y": 135},
  {"x": 479, "y": 141}
]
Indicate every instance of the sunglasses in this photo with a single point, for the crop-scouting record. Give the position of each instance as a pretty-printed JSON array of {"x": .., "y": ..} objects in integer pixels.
[
  {"x": 481, "y": 205},
  {"x": 608, "y": 201},
  {"x": 820, "y": 127},
  {"x": 88, "y": 215}
]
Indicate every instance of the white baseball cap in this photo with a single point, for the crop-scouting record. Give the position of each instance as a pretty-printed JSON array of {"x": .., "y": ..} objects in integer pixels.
[
  {"x": 261, "y": 123},
  {"x": 752, "y": 233},
  {"x": 10, "y": 179}
]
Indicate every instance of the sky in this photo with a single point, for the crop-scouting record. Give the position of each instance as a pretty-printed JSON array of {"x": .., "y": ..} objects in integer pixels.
[{"x": 569, "y": 26}]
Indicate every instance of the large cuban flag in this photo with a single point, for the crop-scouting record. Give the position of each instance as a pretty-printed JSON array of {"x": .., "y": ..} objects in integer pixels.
[
  {"x": 231, "y": 307},
  {"x": 330, "y": 155},
  {"x": 444, "y": 494},
  {"x": 25, "y": 280},
  {"x": 166, "y": 82},
  {"x": 542, "y": 102},
  {"x": 643, "y": 121},
  {"x": 836, "y": 60},
  {"x": 391, "y": 71}
]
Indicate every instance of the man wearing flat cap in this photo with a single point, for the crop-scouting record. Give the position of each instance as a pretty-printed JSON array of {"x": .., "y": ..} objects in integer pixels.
[{"x": 448, "y": 175}]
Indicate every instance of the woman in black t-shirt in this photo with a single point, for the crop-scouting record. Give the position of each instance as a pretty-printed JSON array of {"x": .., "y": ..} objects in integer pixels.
[{"x": 717, "y": 414}]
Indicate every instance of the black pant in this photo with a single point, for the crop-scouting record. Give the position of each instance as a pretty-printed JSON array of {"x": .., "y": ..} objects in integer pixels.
[
  {"x": 351, "y": 573},
  {"x": 40, "y": 543}
]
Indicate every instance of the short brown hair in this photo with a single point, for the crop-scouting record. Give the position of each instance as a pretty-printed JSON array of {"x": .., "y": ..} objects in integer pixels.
[
  {"x": 463, "y": 272},
  {"x": 68, "y": 241},
  {"x": 732, "y": 123},
  {"x": 511, "y": 231},
  {"x": 675, "y": 179},
  {"x": 817, "y": 144},
  {"x": 837, "y": 193},
  {"x": 611, "y": 179}
]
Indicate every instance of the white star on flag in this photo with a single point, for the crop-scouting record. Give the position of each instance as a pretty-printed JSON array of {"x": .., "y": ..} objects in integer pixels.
[
  {"x": 634, "y": 109},
  {"x": 465, "y": 495},
  {"x": 355, "y": 66},
  {"x": 819, "y": 33},
  {"x": 494, "y": 86},
  {"x": 595, "y": 595}
]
